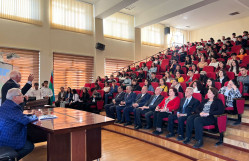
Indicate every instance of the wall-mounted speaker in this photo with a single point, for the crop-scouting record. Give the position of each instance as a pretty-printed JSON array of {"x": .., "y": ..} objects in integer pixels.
[
  {"x": 167, "y": 30},
  {"x": 100, "y": 46}
]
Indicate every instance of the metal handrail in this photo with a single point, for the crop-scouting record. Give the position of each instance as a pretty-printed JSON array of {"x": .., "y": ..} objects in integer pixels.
[{"x": 139, "y": 61}]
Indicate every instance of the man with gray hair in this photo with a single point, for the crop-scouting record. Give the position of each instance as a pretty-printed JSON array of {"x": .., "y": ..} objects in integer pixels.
[
  {"x": 186, "y": 108},
  {"x": 150, "y": 105},
  {"x": 13, "y": 124},
  {"x": 15, "y": 78}
]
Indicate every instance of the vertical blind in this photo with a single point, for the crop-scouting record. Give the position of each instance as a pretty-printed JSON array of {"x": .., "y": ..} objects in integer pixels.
[
  {"x": 28, "y": 11},
  {"x": 112, "y": 65},
  {"x": 119, "y": 26},
  {"x": 72, "y": 71},
  {"x": 71, "y": 15},
  {"x": 153, "y": 35},
  {"x": 27, "y": 63}
]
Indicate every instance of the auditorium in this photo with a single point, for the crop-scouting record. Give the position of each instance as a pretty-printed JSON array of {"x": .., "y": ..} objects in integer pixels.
[{"x": 124, "y": 80}]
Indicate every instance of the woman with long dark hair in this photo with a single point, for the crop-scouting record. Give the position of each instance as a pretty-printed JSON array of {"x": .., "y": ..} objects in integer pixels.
[{"x": 234, "y": 67}]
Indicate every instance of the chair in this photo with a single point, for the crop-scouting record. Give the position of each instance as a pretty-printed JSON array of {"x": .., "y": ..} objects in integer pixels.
[
  {"x": 184, "y": 86},
  {"x": 8, "y": 154},
  {"x": 140, "y": 64},
  {"x": 208, "y": 69},
  {"x": 218, "y": 85},
  {"x": 137, "y": 92},
  {"x": 101, "y": 85},
  {"x": 88, "y": 85},
  {"x": 236, "y": 49},
  {"x": 245, "y": 60},
  {"x": 164, "y": 65},
  {"x": 164, "y": 94},
  {"x": 168, "y": 84},
  {"x": 150, "y": 92},
  {"x": 180, "y": 95},
  {"x": 141, "y": 84},
  {"x": 92, "y": 85},
  {"x": 154, "y": 85},
  {"x": 148, "y": 64},
  {"x": 197, "y": 96},
  {"x": 159, "y": 77},
  {"x": 231, "y": 75},
  {"x": 211, "y": 75}
]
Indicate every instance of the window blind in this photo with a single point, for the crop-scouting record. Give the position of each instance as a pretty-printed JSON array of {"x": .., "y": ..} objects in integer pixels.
[
  {"x": 112, "y": 65},
  {"x": 27, "y": 63},
  {"x": 72, "y": 71},
  {"x": 28, "y": 11},
  {"x": 71, "y": 15}
]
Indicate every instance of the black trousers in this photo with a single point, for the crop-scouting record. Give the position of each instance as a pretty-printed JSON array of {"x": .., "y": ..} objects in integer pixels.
[
  {"x": 181, "y": 120},
  {"x": 110, "y": 110},
  {"x": 147, "y": 117},
  {"x": 158, "y": 118},
  {"x": 137, "y": 113},
  {"x": 197, "y": 122}
]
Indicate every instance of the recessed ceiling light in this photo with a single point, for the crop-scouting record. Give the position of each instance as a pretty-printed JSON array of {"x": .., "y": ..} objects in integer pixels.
[{"x": 187, "y": 26}]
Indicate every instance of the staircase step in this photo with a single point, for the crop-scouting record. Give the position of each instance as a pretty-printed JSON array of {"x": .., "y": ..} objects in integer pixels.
[
  {"x": 245, "y": 119},
  {"x": 246, "y": 112},
  {"x": 238, "y": 130},
  {"x": 237, "y": 141}
]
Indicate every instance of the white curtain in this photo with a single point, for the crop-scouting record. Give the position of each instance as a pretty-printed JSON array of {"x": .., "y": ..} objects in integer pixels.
[
  {"x": 153, "y": 35},
  {"x": 176, "y": 37},
  {"x": 119, "y": 26},
  {"x": 72, "y": 15},
  {"x": 28, "y": 11}
]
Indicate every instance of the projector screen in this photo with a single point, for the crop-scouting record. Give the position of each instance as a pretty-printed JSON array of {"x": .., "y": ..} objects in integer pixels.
[{"x": 5, "y": 69}]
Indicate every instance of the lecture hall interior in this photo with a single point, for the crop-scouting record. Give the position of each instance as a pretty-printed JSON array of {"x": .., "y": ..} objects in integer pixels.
[{"x": 126, "y": 80}]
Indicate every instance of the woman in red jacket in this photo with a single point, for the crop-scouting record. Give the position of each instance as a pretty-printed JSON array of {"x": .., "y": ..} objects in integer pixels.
[{"x": 164, "y": 109}]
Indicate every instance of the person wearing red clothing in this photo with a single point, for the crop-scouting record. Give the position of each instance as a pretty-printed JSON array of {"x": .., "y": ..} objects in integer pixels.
[{"x": 164, "y": 109}]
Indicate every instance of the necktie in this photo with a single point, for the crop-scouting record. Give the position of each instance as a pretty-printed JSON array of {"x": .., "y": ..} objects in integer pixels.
[
  {"x": 153, "y": 101},
  {"x": 139, "y": 99},
  {"x": 185, "y": 104}
]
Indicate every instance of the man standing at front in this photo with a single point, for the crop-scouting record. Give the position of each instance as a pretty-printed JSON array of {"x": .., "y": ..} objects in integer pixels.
[
  {"x": 15, "y": 78},
  {"x": 46, "y": 92}
]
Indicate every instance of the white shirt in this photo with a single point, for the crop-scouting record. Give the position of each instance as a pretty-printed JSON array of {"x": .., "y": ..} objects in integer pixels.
[
  {"x": 46, "y": 92},
  {"x": 214, "y": 64},
  {"x": 35, "y": 93},
  {"x": 76, "y": 98}
]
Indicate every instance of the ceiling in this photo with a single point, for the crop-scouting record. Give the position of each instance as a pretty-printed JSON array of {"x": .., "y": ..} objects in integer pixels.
[{"x": 177, "y": 13}]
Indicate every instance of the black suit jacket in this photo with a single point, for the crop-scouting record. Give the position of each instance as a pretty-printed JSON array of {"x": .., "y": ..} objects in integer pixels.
[
  {"x": 60, "y": 98},
  {"x": 119, "y": 97},
  {"x": 11, "y": 84},
  {"x": 223, "y": 81},
  {"x": 190, "y": 108},
  {"x": 156, "y": 103},
  {"x": 217, "y": 107}
]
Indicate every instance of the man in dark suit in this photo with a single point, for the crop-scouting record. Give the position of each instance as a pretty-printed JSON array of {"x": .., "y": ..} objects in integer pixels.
[
  {"x": 141, "y": 99},
  {"x": 129, "y": 98},
  {"x": 187, "y": 107},
  {"x": 110, "y": 108},
  {"x": 61, "y": 97},
  {"x": 15, "y": 78},
  {"x": 150, "y": 105}
]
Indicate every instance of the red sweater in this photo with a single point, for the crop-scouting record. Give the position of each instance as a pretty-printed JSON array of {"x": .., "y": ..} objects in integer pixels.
[{"x": 172, "y": 105}]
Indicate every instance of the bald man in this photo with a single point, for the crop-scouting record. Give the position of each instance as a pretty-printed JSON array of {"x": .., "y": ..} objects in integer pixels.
[{"x": 13, "y": 82}]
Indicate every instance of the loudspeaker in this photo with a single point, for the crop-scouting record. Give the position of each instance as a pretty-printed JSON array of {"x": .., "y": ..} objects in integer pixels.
[
  {"x": 100, "y": 46},
  {"x": 166, "y": 30}
]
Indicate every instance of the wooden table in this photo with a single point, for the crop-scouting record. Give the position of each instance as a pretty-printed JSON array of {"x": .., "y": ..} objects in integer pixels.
[{"x": 73, "y": 136}]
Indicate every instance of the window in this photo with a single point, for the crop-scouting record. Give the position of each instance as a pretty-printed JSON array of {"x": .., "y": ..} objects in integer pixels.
[
  {"x": 175, "y": 38},
  {"x": 153, "y": 35},
  {"x": 28, "y": 11},
  {"x": 26, "y": 62},
  {"x": 119, "y": 26},
  {"x": 72, "y": 71},
  {"x": 112, "y": 65},
  {"x": 72, "y": 15}
]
